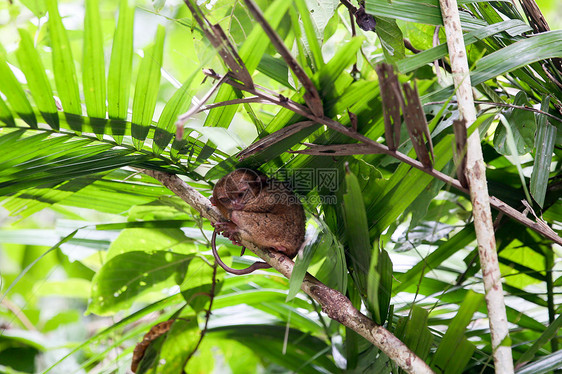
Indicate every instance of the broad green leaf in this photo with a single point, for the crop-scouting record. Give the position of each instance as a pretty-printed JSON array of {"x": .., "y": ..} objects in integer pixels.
[
  {"x": 514, "y": 150},
  {"x": 6, "y": 114},
  {"x": 39, "y": 85},
  {"x": 303, "y": 353},
  {"x": 157, "y": 306},
  {"x": 93, "y": 67},
  {"x": 421, "y": 11},
  {"x": 15, "y": 95},
  {"x": 178, "y": 104},
  {"x": 356, "y": 231},
  {"x": 413, "y": 331},
  {"x": 329, "y": 77},
  {"x": 433, "y": 260},
  {"x": 42, "y": 166},
  {"x": 148, "y": 240},
  {"x": 314, "y": 22},
  {"x": 284, "y": 311},
  {"x": 404, "y": 187},
  {"x": 120, "y": 66},
  {"x": 391, "y": 39},
  {"x": 379, "y": 283},
  {"x": 455, "y": 351},
  {"x": 240, "y": 359},
  {"x": 38, "y": 7},
  {"x": 418, "y": 60},
  {"x": 146, "y": 89},
  {"x": 276, "y": 69},
  {"x": 545, "y": 137},
  {"x": 545, "y": 337},
  {"x": 425, "y": 11},
  {"x": 546, "y": 364},
  {"x": 63, "y": 62},
  {"x": 522, "y": 124},
  {"x": 535, "y": 48},
  {"x": 126, "y": 276},
  {"x": 303, "y": 259},
  {"x": 224, "y": 139},
  {"x": 256, "y": 296},
  {"x": 32, "y": 263},
  {"x": 333, "y": 271},
  {"x": 179, "y": 343}
]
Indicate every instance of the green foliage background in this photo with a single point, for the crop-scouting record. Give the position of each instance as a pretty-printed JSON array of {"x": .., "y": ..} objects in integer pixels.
[{"x": 93, "y": 253}]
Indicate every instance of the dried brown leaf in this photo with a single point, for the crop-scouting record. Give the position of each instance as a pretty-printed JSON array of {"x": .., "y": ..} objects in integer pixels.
[
  {"x": 276, "y": 137},
  {"x": 459, "y": 152},
  {"x": 417, "y": 126},
  {"x": 391, "y": 102},
  {"x": 154, "y": 333},
  {"x": 338, "y": 149}
]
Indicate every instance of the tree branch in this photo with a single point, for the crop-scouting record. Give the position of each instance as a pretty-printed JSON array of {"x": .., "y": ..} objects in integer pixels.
[
  {"x": 476, "y": 176},
  {"x": 333, "y": 303}
]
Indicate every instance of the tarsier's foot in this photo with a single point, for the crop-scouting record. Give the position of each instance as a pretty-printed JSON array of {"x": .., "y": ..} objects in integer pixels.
[
  {"x": 255, "y": 266},
  {"x": 228, "y": 230}
]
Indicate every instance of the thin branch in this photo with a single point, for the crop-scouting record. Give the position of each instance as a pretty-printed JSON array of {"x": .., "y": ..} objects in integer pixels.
[
  {"x": 273, "y": 138},
  {"x": 381, "y": 148},
  {"x": 207, "y": 314},
  {"x": 333, "y": 303},
  {"x": 244, "y": 100},
  {"x": 220, "y": 41},
  {"x": 311, "y": 97},
  {"x": 19, "y": 314},
  {"x": 182, "y": 119},
  {"x": 479, "y": 196}
]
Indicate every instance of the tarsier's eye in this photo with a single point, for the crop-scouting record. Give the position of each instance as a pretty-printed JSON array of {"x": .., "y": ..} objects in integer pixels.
[{"x": 224, "y": 200}]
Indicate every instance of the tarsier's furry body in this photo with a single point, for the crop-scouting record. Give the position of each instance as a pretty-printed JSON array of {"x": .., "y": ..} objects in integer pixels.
[{"x": 261, "y": 210}]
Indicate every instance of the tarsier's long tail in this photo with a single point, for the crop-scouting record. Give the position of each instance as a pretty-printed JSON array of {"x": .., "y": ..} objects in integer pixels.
[{"x": 255, "y": 266}]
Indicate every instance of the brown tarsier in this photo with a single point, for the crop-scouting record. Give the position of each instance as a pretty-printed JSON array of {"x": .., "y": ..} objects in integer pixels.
[{"x": 258, "y": 209}]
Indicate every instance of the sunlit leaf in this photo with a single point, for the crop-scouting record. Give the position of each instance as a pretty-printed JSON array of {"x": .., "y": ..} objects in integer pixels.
[
  {"x": 39, "y": 85},
  {"x": 146, "y": 89},
  {"x": 63, "y": 62},
  {"x": 131, "y": 274},
  {"x": 93, "y": 62}
]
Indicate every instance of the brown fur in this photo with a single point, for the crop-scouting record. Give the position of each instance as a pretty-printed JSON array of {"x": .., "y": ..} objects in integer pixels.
[{"x": 261, "y": 210}]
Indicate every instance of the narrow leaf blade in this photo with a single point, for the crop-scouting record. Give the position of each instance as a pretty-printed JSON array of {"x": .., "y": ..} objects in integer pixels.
[
  {"x": 93, "y": 63},
  {"x": 63, "y": 63},
  {"x": 15, "y": 94},
  {"x": 120, "y": 66},
  {"x": 37, "y": 81},
  {"x": 544, "y": 145},
  {"x": 146, "y": 89}
]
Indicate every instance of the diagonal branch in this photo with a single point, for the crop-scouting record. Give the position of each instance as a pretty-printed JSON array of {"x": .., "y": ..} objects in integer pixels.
[
  {"x": 219, "y": 40},
  {"x": 311, "y": 97},
  {"x": 333, "y": 303},
  {"x": 297, "y": 108}
]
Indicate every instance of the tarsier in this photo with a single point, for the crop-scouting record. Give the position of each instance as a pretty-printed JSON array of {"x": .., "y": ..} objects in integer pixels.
[{"x": 261, "y": 210}]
